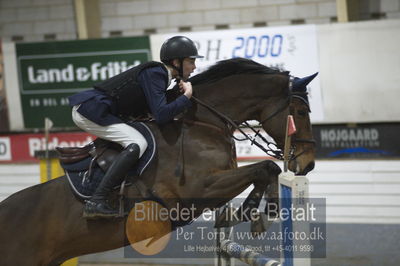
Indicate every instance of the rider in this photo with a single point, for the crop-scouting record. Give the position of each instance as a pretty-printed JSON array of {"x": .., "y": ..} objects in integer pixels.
[{"x": 133, "y": 93}]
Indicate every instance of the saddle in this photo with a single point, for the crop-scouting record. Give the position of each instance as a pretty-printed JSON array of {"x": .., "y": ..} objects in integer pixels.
[
  {"x": 102, "y": 152},
  {"x": 85, "y": 166}
]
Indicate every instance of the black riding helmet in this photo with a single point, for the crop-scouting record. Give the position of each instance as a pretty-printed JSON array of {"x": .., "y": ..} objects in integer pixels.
[{"x": 178, "y": 47}]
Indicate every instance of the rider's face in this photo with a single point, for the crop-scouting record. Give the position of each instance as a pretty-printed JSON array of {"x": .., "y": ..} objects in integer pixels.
[{"x": 189, "y": 65}]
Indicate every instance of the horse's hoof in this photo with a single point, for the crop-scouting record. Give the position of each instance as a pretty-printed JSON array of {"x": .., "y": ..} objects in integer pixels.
[
  {"x": 261, "y": 224},
  {"x": 227, "y": 218}
]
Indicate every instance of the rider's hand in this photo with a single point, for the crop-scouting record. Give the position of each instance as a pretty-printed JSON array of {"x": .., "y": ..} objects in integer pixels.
[{"x": 186, "y": 88}]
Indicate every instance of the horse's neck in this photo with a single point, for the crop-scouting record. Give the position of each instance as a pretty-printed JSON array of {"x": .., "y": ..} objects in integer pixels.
[{"x": 222, "y": 97}]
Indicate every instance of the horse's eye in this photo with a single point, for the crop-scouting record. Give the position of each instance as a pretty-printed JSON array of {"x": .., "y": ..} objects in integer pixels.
[{"x": 302, "y": 112}]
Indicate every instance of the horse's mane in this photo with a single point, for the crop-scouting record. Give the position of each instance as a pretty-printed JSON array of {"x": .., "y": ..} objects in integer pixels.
[{"x": 231, "y": 67}]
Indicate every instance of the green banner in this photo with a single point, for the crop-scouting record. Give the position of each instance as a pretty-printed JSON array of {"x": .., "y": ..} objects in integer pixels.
[{"x": 50, "y": 72}]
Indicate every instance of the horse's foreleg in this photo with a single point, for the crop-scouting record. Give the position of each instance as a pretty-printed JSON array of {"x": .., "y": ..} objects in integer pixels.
[
  {"x": 263, "y": 175},
  {"x": 227, "y": 184}
]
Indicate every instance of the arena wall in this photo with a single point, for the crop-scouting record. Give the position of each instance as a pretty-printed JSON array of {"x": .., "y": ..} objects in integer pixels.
[
  {"x": 360, "y": 73},
  {"x": 38, "y": 20}
]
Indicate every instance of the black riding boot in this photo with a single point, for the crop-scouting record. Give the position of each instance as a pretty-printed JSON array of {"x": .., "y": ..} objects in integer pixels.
[{"x": 98, "y": 205}]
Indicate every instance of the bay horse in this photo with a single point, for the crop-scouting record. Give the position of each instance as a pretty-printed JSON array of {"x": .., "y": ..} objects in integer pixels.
[{"x": 43, "y": 224}]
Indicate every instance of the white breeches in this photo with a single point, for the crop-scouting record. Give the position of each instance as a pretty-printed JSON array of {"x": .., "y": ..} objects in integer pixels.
[{"x": 120, "y": 133}]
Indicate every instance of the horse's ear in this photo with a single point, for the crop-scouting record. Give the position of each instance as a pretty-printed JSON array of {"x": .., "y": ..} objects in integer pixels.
[
  {"x": 303, "y": 82},
  {"x": 310, "y": 78}
]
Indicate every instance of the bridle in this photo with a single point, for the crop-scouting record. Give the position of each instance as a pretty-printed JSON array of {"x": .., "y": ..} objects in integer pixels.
[{"x": 271, "y": 148}]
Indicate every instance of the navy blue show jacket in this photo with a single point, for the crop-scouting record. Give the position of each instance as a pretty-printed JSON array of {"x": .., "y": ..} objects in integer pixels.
[{"x": 100, "y": 108}]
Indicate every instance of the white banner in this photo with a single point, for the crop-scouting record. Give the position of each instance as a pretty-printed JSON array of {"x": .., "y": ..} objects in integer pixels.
[
  {"x": 5, "y": 149},
  {"x": 292, "y": 48}
]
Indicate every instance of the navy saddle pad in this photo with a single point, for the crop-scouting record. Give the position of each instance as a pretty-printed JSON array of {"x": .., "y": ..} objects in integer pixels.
[{"x": 84, "y": 177}]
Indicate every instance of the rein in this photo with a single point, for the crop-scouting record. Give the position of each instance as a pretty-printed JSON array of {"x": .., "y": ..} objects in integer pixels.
[{"x": 232, "y": 125}]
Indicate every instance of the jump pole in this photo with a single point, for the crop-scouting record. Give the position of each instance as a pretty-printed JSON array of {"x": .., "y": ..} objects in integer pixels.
[
  {"x": 293, "y": 193},
  {"x": 246, "y": 255}
]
